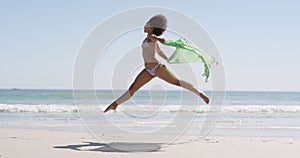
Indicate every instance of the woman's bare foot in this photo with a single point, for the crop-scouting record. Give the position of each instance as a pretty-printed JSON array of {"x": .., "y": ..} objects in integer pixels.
[
  {"x": 112, "y": 106},
  {"x": 204, "y": 97}
]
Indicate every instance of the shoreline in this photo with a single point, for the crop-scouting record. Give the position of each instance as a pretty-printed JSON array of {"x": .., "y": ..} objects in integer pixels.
[{"x": 52, "y": 143}]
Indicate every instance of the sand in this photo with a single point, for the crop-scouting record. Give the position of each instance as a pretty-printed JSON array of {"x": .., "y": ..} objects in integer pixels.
[{"x": 37, "y": 143}]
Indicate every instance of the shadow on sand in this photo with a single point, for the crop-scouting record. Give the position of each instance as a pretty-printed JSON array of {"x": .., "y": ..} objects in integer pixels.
[{"x": 114, "y": 147}]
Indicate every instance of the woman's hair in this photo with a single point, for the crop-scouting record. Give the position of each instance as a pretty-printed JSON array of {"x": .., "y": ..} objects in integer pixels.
[{"x": 159, "y": 24}]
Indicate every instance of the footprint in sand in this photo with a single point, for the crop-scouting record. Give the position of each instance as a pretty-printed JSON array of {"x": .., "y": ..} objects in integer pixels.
[
  {"x": 20, "y": 138},
  {"x": 211, "y": 141},
  {"x": 267, "y": 140}
]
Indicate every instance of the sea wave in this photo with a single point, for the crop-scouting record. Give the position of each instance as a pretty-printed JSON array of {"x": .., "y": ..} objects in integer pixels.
[
  {"x": 262, "y": 108},
  {"x": 56, "y": 108}
]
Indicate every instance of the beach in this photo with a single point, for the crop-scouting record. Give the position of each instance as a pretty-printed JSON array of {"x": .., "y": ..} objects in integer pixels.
[
  {"x": 36, "y": 143},
  {"x": 63, "y": 63},
  {"x": 47, "y": 123}
]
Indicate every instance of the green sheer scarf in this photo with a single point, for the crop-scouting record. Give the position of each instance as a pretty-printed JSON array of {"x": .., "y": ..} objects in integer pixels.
[{"x": 186, "y": 52}]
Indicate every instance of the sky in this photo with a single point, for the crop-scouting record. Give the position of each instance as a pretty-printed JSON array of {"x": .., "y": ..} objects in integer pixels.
[{"x": 257, "y": 40}]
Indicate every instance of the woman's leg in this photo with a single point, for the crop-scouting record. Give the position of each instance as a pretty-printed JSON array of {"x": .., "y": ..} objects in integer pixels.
[
  {"x": 142, "y": 78},
  {"x": 163, "y": 73}
]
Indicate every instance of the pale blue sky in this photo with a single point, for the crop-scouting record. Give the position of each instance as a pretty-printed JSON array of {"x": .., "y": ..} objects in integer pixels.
[{"x": 258, "y": 40}]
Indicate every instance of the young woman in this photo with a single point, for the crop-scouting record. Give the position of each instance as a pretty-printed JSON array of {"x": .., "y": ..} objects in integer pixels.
[{"x": 154, "y": 28}]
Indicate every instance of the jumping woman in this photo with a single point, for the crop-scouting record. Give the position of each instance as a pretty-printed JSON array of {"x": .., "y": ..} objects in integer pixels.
[{"x": 155, "y": 27}]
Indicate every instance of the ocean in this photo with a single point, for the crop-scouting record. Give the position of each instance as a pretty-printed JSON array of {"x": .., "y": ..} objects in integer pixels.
[{"x": 242, "y": 113}]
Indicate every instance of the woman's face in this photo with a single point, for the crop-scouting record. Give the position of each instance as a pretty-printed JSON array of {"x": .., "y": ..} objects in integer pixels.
[{"x": 148, "y": 28}]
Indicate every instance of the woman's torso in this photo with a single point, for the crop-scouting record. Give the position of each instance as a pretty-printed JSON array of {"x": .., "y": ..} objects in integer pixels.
[{"x": 148, "y": 50}]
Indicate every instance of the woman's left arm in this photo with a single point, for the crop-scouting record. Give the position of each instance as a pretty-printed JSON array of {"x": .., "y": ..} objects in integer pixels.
[{"x": 160, "y": 52}]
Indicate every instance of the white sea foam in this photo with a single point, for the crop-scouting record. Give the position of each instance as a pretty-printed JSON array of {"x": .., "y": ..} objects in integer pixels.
[
  {"x": 262, "y": 109},
  {"x": 56, "y": 108},
  {"x": 38, "y": 108}
]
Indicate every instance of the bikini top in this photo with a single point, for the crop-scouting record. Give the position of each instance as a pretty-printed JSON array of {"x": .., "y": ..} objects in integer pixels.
[{"x": 146, "y": 44}]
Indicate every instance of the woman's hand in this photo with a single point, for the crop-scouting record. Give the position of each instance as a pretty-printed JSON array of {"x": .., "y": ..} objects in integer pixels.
[{"x": 161, "y": 40}]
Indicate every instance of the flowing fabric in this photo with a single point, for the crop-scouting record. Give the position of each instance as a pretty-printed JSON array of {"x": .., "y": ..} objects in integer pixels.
[{"x": 186, "y": 52}]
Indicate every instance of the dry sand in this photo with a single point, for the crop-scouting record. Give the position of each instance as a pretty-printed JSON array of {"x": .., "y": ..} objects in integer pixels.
[{"x": 35, "y": 143}]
